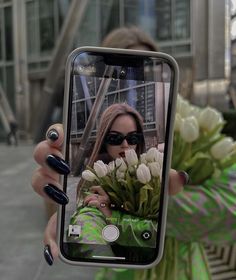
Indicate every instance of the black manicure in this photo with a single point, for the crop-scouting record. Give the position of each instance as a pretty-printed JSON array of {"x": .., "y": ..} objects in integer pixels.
[
  {"x": 48, "y": 255},
  {"x": 52, "y": 135},
  {"x": 56, "y": 194},
  {"x": 184, "y": 177},
  {"x": 58, "y": 164}
]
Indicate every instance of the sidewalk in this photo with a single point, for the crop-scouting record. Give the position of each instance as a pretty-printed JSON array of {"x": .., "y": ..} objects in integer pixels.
[{"x": 22, "y": 220}]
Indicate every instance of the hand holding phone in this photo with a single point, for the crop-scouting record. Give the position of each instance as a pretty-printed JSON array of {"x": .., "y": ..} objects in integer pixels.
[{"x": 119, "y": 107}]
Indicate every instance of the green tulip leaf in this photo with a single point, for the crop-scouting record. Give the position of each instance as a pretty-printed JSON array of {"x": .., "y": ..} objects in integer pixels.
[{"x": 202, "y": 169}]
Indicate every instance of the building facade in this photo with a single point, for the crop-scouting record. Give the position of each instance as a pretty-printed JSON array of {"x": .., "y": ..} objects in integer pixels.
[{"x": 30, "y": 33}]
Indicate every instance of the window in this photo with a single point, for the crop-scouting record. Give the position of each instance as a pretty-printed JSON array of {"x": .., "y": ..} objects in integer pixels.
[
  {"x": 6, "y": 51},
  {"x": 46, "y": 25},
  {"x": 44, "y": 19},
  {"x": 8, "y": 33}
]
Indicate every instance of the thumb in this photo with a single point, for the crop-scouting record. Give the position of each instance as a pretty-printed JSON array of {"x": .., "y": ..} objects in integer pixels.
[{"x": 177, "y": 180}]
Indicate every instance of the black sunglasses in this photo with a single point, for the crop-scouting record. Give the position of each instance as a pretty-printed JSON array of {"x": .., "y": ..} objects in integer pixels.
[{"x": 116, "y": 138}]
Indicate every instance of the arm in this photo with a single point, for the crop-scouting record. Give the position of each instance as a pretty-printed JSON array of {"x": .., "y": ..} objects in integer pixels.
[{"x": 206, "y": 212}]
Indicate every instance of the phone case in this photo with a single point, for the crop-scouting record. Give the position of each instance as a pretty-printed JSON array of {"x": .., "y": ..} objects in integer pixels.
[{"x": 168, "y": 147}]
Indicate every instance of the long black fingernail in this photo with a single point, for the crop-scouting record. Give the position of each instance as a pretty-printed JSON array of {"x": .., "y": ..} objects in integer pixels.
[
  {"x": 48, "y": 255},
  {"x": 52, "y": 135},
  {"x": 56, "y": 194},
  {"x": 184, "y": 177},
  {"x": 58, "y": 164}
]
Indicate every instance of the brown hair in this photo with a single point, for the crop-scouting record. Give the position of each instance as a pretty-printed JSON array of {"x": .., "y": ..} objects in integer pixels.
[
  {"x": 129, "y": 38},
  {"x": 106, "y": 121}
]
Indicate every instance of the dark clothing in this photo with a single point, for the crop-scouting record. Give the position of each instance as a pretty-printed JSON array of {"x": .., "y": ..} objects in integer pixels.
[{"x": 12, "y": 135}]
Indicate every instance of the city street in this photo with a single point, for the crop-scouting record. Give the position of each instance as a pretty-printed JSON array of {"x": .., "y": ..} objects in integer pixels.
[{"x": 23, "y": 219}]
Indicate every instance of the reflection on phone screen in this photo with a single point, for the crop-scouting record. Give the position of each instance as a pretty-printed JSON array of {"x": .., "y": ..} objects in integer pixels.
[{"x": 117, "y": 120}]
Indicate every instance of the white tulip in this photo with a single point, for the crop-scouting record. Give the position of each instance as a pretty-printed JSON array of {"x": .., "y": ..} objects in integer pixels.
[
  {"x": 155, "y": 169},
  {"x": 111, "y": 166},
  {"x": 120, "y": 175},
  {"x": 131, "y": 157},
  {"x": 189, "y": 129},
  {"x": 143, "y": 173},
  {"x": 183, "y": 107},
  {"x": 120, "y": 163},
  {"x": 100, "y": 168},
  {"x": 88, "y": 176},
  {"x": 209, "y": 118},
  {"x": 153, "y": 155},
  {"x": 143, "y": 158},
  {"x": 178, "y": 121},
  {"x": 222, "y": 148},
  {"x": 234, "y": 146},
  {"x": 195, "y": 111}
]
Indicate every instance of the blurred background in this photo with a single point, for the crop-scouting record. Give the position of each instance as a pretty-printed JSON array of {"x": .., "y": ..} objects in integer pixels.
[{"x": 36, "y": 37}]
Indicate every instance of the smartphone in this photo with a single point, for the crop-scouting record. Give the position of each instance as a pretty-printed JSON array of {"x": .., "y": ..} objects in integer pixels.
[{"x": 119, "y": 108}]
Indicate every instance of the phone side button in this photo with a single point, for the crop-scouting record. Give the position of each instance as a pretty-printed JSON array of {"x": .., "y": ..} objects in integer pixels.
[{"x": 110, "y": 233}]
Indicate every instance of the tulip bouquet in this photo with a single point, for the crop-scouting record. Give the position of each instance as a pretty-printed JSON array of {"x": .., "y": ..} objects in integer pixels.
[
  {"x": 132, "y": 183},
  {"x": 199, "y": 147}
]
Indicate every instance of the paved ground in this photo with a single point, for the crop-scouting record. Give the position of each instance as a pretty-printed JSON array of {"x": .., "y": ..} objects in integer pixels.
[{"x": 22, "y": 222}]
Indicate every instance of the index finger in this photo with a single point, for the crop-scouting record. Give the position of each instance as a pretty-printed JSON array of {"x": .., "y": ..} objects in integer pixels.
[
  {"x": 99, "y": 190},
  {"x": 55, "y": 135}
]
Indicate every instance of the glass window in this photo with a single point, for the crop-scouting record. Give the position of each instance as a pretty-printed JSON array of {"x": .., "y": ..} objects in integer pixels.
[
  {"x": 182, "y": 20},
  {"x": 10, "y": 84},
  {"x": 44, "y": 19},
  {"x": 110, "y": 16},
  {"x": 1, "y": 35},
  {"x": 88, "y": 31},
  {"x": 173, "y": 20},
  {"x": 46, "y": 25},
  {"x": 63, "y": 6},
  {"x": 8, "y": 33},
  {"x": 32, "y": 30},
  {"x": 163, "y": 20},
  {"x": 132, "y": 12},
  {"x": 1, "y": 77}
]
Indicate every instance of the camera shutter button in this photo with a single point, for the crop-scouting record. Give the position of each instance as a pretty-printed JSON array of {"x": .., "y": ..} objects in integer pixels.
[{"x": 110, "y": 233}]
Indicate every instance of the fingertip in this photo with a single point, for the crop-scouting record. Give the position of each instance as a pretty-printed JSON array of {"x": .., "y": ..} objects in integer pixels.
[
  {"x": 184, "y": 177},
  {"x": 55, "y": 135},
  {"x": 48, "y": 254},
  {"x": 52, "y": 135},
  {"x": 175, "y": 182}
]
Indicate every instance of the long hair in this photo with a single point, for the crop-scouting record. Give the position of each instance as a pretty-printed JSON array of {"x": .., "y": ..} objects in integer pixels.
[
  {"x": 106, "y": 121},
  {"x": 129, "y": 38}
]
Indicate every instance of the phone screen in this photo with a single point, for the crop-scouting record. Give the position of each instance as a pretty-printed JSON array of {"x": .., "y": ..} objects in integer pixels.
[{"x": 118, "y": 117}]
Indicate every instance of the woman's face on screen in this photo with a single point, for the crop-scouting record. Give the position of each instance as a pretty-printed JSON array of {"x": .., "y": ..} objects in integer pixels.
[{"x": 123, "y": 126}]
